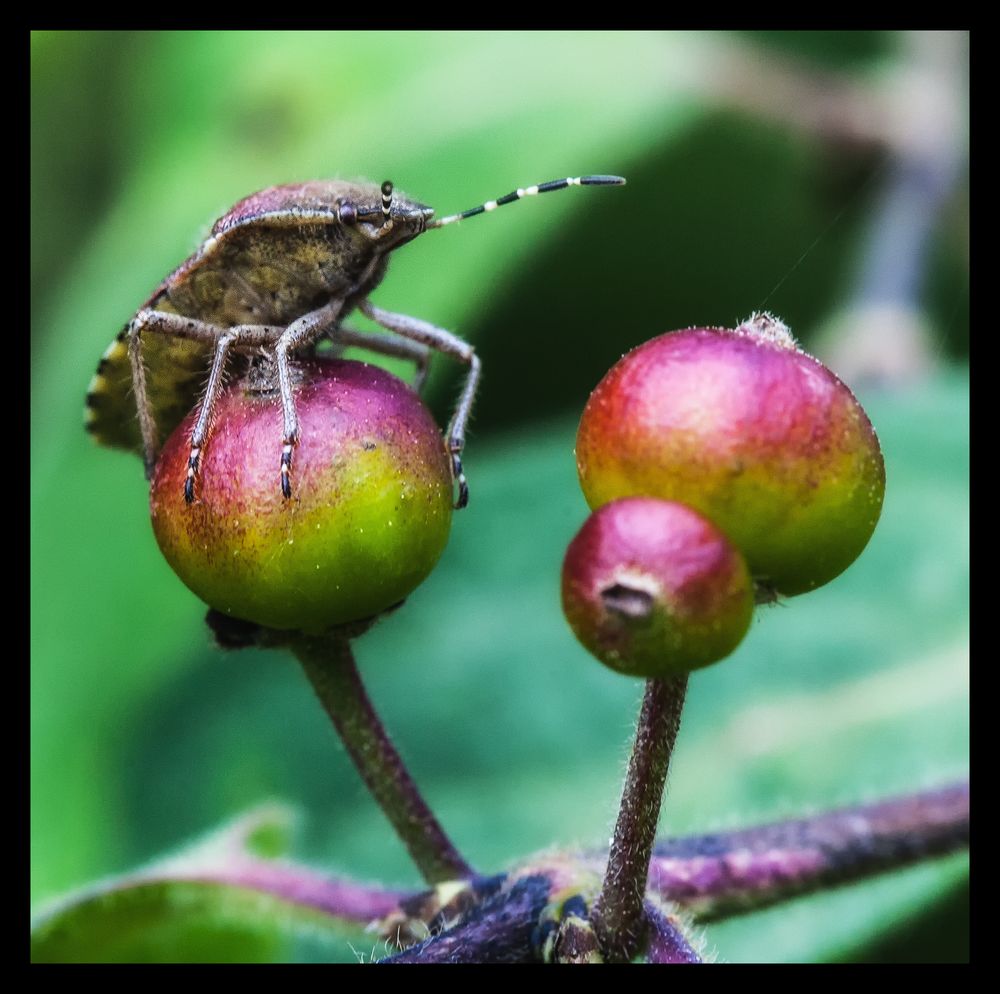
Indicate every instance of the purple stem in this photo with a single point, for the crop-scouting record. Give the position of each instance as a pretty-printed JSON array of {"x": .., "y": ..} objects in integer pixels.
[
  {"x": 667, "y": 943},
  {"x": 297, "y": 885},
  {"x": 733, "y": 872},
  {"x": 618, "y": 915},
  {"x": 710, "y": 875},
  {"x": 342, "y": 899},
  {"x": 329, "y": 665},
  {"x": 502, "y": 930}
]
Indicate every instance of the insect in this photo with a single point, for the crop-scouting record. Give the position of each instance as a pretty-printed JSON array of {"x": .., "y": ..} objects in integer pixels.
[{"x": 279, "y": 271}]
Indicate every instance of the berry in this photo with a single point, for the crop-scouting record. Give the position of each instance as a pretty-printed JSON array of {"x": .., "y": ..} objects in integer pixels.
[
  {"x": 752, "y": 432},
  {"x": 368, "y": 520},
  {"x": 653, "y": 589}
]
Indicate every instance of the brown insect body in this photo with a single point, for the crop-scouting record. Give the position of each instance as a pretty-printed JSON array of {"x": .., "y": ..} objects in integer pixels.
[
  {"x": 285, "y": 251},
  {"x": 279, "y": 271},
  {"x": 273, "y": 257}
]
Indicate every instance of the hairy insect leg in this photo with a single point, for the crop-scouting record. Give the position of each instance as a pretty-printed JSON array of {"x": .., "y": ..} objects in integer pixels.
[
  {"x": 301, "y": 332},
  {"x": 441, "y": 341},
  {"x": 161, "y": 323},
  {"x": 238, "y": 335},
  {"x": 390, "y": 345}
]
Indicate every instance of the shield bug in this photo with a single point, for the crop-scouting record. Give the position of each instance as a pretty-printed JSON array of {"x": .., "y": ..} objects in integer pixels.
[{"x": 279, "y": 271}]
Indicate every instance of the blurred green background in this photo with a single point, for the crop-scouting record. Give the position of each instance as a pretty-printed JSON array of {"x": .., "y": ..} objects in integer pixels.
[{"x": 760, "y": 167}]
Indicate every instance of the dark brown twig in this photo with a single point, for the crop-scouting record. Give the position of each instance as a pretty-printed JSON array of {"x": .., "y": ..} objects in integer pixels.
[
  {"x": 617, "y": 914},
  {"x": 329, "y": 665}
]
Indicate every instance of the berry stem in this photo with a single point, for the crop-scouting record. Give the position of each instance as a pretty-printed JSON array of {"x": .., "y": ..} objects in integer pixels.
[
  {"x": 618, "y": 914},
  {"x": 329, "y": 664}
]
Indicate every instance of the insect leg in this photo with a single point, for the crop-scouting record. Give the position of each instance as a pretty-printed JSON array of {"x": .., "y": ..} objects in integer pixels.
[
  {"x": 198, "y": 435},
  {"x": 442, "y": 341},
  {"x": 162, "y": 323},
  {"x": 300, "y": 332},
  {"x": 391, "y": 345},
  {"x": 237, "y": 335}
]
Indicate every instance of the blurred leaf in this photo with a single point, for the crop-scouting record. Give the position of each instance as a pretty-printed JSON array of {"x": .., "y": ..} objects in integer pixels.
[
  {"x": 165, "y": 922},
  {"x": 214, "y": 902},
  {"x": 836, "y": 49},
  {"x": 189, "y": 921},
  {"x": 940, "y": 934}
]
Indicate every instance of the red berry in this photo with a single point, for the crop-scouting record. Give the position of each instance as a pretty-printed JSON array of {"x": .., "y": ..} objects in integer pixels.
[
  {"x": 752, "y": 432},
  {"x": 653, "y": 589},
  {"x": 368, "y": 518}
]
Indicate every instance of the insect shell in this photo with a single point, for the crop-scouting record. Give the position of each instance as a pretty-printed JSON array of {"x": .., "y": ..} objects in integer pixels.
[{"x": 279, "y": 271}]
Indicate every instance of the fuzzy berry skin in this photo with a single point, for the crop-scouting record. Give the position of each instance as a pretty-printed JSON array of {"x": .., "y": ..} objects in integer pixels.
[
  {"x": 369, "y": 516},
  {"x": 653, "y": 589},
  {"x": 755, "y": 434}
]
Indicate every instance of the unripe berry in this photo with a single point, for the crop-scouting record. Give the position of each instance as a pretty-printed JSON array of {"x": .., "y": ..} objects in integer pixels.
[
  {"x": 755, "y": 434},
  {"x": 653, "y": 589},
  {"x": 369, "y": 515}
]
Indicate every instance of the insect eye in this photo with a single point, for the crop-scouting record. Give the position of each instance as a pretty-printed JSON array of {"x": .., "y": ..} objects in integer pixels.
[{"x": 347, "y": 213}]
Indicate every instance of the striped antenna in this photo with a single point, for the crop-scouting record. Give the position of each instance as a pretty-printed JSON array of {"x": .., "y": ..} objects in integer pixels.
[
  {"x": 384, "y": 210},
  {"x": 530, "y": 191}
]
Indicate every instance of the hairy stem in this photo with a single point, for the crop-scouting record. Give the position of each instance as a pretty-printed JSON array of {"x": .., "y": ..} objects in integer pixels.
[
  {"x": 299, "y": 885},
  {"x": 329, "y": 665},
  {"x": 618, "y": 916},
  {"x": 499, "y": 931},
  {"x": 728, "y": 873},
  {"x": 719, "y": 874},
  {"x": 667, "y": 942}
]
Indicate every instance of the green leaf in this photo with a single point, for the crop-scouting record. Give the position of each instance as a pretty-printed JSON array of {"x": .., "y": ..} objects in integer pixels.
[
  {"x": 168, "y": 922},
  {"x": 214, "y": 902}
]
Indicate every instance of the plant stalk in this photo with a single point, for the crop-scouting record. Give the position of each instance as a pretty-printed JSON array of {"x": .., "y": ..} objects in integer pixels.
[
  {"x": 667, "y": 941},
  {"x": 329, "y": 664},
  {"x": 731, "y": 873},
  {"x": 618, "y": 915}
]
